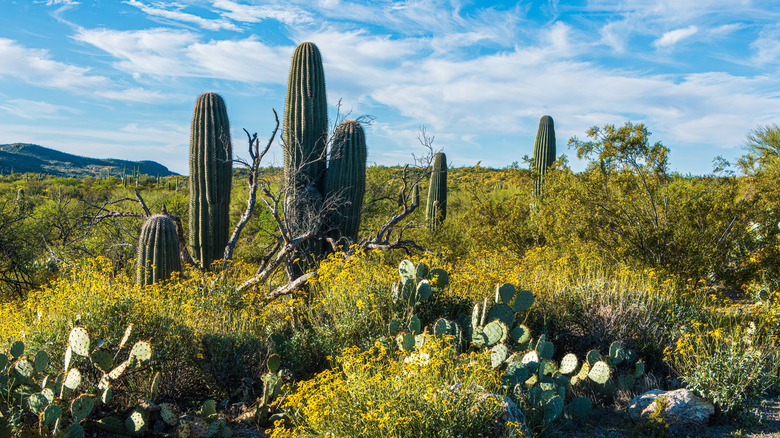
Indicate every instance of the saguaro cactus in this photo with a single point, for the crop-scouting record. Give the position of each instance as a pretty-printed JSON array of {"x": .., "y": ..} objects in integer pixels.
[
  {"x": 544, "y": 151},
  {"x": 437, "y": 192},
  {"x": 305, "y": 134},
  {"x": 158, "y": 250},
  {"x": 346, "y": 180},
  {"x": 211, "y": 172}
]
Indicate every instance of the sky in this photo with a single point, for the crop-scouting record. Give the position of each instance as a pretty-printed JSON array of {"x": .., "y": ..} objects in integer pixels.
[{"x": 118, "y": 79}]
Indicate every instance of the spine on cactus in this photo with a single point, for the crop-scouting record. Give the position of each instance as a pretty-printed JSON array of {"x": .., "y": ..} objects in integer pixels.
[
  {"x": 346, "y": 180},
  {"x": 211, "y": 172},
  {"x": 544, "y": 151},
  {"x": 437, "y": 192},
  {"x": 305, "y": 133},
  {"x": 158, "y": 250}
]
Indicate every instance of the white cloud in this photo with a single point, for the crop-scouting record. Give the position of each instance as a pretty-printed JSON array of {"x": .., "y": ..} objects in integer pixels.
[
  {"x": 134, "y": 94},
  {"x": 184, "y": 17},
  {"x": 767, "y": 46},
  {"x": 673, "y": 37},
  {"x": 32, "y": 109},
  {"x": 284, "y": 12},
  {"x": 36, "y": 67}
]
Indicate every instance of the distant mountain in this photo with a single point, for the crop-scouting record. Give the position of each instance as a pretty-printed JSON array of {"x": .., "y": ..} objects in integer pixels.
[{"x": 31, "y": 158}]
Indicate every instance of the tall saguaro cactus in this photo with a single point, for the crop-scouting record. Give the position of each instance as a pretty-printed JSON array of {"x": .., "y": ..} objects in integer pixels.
[
  {"x": 437, "y": 192},
  {"x": 211, "y": 172},
  {"x": 544, "y": 151},
  {"x": 158, "y": 250},
  {"x": 346, "y": 180},
  {"x": 305, "y": 134}
]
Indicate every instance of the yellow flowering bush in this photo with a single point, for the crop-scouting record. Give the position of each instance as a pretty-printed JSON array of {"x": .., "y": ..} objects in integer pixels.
[{"x": 433, "y": 392}]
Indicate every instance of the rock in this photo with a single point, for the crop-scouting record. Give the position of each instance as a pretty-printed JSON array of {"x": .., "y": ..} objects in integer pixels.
[
  {"x": 512, "y": 416},
  {"x": 685, "y": 410}
]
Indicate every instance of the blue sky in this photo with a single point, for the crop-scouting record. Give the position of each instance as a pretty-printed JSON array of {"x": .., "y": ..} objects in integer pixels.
[{"x": 118, "y": 79}]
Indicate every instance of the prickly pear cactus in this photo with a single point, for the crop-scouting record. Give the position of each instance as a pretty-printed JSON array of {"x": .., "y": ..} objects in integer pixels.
[
  {"x": 544, "y": 151},
  {"x": 211, "y": 177},
  {"x": 436, "y": 210},
  {"x": 346, "y": 181},
  {"x": 157, "y": 255}
]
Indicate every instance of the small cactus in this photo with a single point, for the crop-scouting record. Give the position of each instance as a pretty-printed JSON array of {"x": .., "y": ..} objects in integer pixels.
[
  {"x": 437, "y": 192},
  {"x": 158, "y": 251}
]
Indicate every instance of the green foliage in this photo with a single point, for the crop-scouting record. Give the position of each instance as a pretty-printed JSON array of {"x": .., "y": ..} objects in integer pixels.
[
  {"x": 346, "y": 181},
  {"x": 436, "y": 210},
  {"x": 211, "y": 164},
  {"x": 544, "y": 151},
  {"x": 158, "y": 250}
]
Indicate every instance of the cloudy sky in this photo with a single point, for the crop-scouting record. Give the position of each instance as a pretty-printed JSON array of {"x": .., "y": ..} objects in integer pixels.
[{"x": 110, "y": 78}]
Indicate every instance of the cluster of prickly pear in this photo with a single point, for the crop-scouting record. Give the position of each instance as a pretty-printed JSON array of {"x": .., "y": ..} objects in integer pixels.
[
  {"x": 599, "y": 368},
  {"x": 346, "y": 181},
  {"x": 436, "y": 210},
  {"x": 272, "y": 387},
  {"x": 497, "y": 323},
  {"x": 157, "y": 255},
  {"x": 415, "y": 286},
  {"x": 60, "y": 409},
  {"x": 211, "y": 177}
]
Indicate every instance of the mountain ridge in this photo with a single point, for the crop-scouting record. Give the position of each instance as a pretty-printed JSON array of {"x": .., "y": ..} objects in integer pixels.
[{"x": 33, "y": 158}]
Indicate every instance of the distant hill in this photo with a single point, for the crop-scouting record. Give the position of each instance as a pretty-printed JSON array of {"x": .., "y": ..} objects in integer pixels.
[{"x": 31, "y": 158}]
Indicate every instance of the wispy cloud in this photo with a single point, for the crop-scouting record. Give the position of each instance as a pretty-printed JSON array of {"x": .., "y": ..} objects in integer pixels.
[
  {"x": 767, "y": 46},
  {"x": 175, "y": 14},
  {"x": 33, "y": 109},
  {"x": 283, "y": 12},
  {"x": 669, "y": 39}
]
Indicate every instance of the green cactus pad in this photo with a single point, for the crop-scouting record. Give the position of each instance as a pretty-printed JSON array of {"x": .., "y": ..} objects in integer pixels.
[
  {"x": 73, "y": 379},
  {"x": 394, "y": 327},
  {"x": 184, "y": 430},
  {"x": 423, "y": 290},
  {"x": 68, "y": 357},
  {"x": 475, "y": 313},
  {"x": 406, "y": 269},
  {"x": 630, "y": 356},
  {"x": 142, "y": 351},
  {"x": 408, "y": 291},
  {"x": 136, "y": 422},
  {"x": 405, "y": 341},
  {"x": 439, "y": 278},
  {"x": 102, "y": 359},
  {"x": 79, "y": 341},
  {"x": 168, "y": 415},
  {"x": 521, "y": 334},
  {"x": 214, "y": 428},
  {"x": 478, "y": 338},
  {"x": 503, "y": 313},
  {"x": 107, "y": 395},
  {"x": 515, "y": 373},
  {"x": 274, "y": 362},
  {"x": 495, "y": 332},
  {"x": 562, "y": 382},
  {"x": 126, "y": 336},
  {"x": 48, "y": 394},
  {"x": 119, "y": 370},
  {"x": 3, "y": 361},
  {"x": 24, "y": 369},
  {"x": 553, "y": 409},
  {"x": 200, "y": 429},
  {"x": 545, "y": 349},
  {"x": 421, "y": 271},
  {"x": 208, "y": 408},
  {"x": 593, "y": 356},
  {"x": 17, "y": 349},
  {"x": 531, "y": 360},
  {"x": 626, "y": 381},
  {"x": 548, "y": 367},
  {"x": 639, "y": 370},
  {"x": 155, "y": 388},
  {"x": 38, "y": 403},
  {"x": 81, "y": 407},
  {"x": 498, "y": 355},
  {"x": 504, "y": 293},
  {"x": 569, "y": 363},
  {"x": 599, "y": 372},
  {"x": 50, "y": 414},
  {"x": 535, "y": 396},
  {"x": 415, "y": 326},
  {"x": 584, "y": 371},
  {"x": 112, "y": 424},
  {"x": 547, "y": 384},
  {"x": 41, "y": 361},
  {"x": 441, "y": 327},
  {"x": 613, "y": 350},
  {"x": 579, "y": 407},
  {"x": 74, "y": 431},
  {"x": 524, "y": 300}
]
